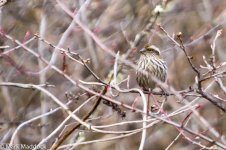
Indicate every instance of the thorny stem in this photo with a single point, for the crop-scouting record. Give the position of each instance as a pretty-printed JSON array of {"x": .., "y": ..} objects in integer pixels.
[{"x": 189, "y": 58}]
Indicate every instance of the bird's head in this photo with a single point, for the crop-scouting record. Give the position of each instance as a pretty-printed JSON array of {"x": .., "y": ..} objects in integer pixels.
[{"x": 150, "y": 49}]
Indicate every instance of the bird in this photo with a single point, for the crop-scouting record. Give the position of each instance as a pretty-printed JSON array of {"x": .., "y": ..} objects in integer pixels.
[{"x": 150, "y": 64}]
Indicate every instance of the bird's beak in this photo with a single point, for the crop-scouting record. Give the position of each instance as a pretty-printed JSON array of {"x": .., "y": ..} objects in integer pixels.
[{"x": 142, "y": 50}]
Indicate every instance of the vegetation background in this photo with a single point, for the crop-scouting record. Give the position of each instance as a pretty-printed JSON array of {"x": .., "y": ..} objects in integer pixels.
[{"x": 115, "y": 25}]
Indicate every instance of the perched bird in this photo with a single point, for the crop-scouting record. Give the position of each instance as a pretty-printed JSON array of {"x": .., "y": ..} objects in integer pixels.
[{"x": 150, "y": 64}]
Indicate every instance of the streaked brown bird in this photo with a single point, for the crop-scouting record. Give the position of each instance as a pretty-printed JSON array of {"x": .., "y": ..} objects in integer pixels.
[{"x": 150, "y": 64}]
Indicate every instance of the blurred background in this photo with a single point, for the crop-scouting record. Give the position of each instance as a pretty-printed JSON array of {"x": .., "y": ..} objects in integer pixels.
[{"x": 116, "y": 24}]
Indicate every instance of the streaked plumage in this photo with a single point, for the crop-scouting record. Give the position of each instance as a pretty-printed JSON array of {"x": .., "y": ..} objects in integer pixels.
[{"x": 150, "y": 64}]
